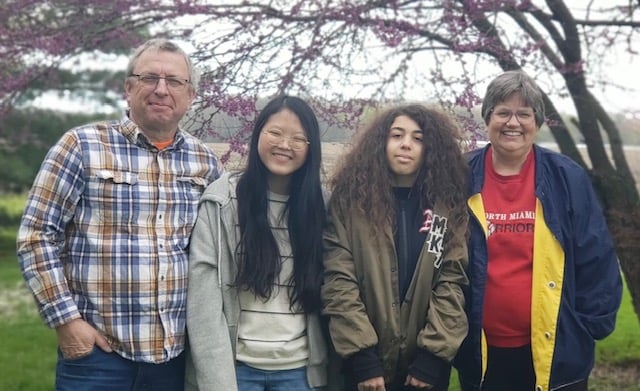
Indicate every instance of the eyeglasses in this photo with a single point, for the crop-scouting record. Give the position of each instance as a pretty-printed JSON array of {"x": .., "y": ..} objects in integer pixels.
[
  {"x": 524, "y": 117},
  {"x": 275, "y": 138},
  {"x": 149, "y": 80}
]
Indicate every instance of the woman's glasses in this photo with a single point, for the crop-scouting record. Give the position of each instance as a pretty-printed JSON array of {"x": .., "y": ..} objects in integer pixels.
[
  {"x": 523, "y": 116},
  {"x": 276, "y": 137}
]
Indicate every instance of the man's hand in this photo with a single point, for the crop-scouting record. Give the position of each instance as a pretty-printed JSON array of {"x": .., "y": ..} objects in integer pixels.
[
  {"x": 77, "y": 338},
  {"x": 373, "y": 384},
  {"x": 415, "y": 383}
]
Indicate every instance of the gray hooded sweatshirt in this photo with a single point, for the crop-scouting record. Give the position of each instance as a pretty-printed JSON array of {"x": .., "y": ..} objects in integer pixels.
[{"x": 213, "y": 308}]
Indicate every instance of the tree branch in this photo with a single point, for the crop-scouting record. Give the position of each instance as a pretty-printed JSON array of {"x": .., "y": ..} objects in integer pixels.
[{"x": 608, "y": 23}]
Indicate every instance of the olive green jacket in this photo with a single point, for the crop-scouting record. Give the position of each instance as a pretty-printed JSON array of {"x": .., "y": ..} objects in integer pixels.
[{"x": 361, "y": 293}]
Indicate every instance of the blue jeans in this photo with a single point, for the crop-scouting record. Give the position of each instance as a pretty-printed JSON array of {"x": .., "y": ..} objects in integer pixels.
[
  {"x": 101, "y": 371},
  {"x": 253, "y": 379}
]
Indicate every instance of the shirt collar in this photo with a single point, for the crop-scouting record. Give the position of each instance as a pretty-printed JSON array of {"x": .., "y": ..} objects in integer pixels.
[{"x": 132, "y": 132}]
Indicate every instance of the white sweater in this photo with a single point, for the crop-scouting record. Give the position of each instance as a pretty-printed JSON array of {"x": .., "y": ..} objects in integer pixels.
[{"x": 272, "y": 336}]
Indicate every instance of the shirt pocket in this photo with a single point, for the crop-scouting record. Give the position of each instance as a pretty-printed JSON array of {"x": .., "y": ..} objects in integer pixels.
[
  {"x": 114, "y": 196},
  {"x": 188, "y": 190},
  {"x": 194, "y": 183}
]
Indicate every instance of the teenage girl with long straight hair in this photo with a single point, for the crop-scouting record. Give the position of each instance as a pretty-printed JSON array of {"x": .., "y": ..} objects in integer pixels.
[{"x": 255, "y": 265}]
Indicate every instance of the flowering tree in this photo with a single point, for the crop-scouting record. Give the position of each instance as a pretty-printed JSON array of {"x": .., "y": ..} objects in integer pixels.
[{"x": 345, "y": 54}]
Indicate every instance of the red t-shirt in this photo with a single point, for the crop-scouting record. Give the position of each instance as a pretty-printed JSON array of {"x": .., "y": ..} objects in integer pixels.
[{"x": 509, "y": 203}]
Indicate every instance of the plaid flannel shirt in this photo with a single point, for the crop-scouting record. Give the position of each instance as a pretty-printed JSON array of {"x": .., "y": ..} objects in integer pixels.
[{"x": 105, "y": 233}]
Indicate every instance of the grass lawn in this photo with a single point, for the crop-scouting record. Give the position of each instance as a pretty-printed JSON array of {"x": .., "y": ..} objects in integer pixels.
[
  {"x": 28, "y": 351},
  {"x": 29, "y": 348},
  {"x": 618, "y": 355}
]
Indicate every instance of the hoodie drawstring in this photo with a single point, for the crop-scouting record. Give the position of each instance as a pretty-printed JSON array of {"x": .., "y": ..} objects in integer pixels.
[{"x": 219, "y": 245}]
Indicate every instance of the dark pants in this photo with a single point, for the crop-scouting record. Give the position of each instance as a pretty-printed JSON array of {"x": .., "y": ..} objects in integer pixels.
[
  {"x": 101, "y": 371},
  {"x": 511, "y": 369},
  {"x": 398, "y": 384}
]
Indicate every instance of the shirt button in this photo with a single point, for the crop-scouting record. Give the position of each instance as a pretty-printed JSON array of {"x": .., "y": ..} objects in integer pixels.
[
  {"x": 552, "y": 284},
  {"x": 547, "y": 335}
]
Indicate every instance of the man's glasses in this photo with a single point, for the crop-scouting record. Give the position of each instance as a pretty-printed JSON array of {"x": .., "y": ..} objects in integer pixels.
[
  {"x": 149, "y": 80},
  {"x": 524, "y": 116},
  {"x": 275, "y": 138}
]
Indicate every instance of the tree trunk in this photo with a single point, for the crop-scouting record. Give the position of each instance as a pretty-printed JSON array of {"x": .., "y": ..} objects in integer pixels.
[
  {"x": 612, "y": 180},
  {"x": 625, "y": 228}
]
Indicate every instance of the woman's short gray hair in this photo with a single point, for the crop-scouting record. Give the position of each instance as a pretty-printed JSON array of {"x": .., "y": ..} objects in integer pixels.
[
  {"x": 513, "y": 82},
  {"x": 165, "y": 45}
]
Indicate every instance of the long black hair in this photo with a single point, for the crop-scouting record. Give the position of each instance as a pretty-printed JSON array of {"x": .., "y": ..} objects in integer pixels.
[{"x": 259, "y": 259}]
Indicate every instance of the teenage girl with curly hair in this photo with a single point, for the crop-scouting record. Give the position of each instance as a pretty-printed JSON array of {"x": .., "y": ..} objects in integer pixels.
[{"x": 395, "y": 252}]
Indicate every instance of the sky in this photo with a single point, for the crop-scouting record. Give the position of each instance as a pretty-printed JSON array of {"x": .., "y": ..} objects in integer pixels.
[
  {"x": 625, "y": 73},
  {"x": 621, "y": 69}
]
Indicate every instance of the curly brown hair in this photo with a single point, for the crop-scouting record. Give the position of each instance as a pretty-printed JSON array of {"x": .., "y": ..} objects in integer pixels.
[{"x": 363, "y": 179}]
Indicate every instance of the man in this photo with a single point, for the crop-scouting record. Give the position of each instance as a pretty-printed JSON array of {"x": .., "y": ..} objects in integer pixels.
[{"x": 103, "y": 240}]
